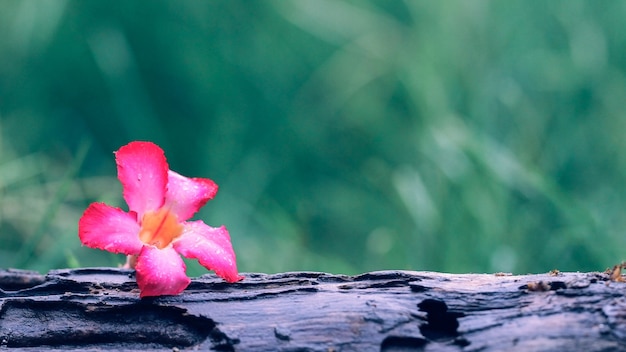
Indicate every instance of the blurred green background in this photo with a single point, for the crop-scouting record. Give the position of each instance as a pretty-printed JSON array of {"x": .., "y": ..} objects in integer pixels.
[{"x": 346, "y": 136}]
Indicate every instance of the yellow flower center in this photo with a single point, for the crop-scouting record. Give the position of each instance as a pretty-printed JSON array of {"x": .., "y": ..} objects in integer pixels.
[{"x": 159, "y": 228}]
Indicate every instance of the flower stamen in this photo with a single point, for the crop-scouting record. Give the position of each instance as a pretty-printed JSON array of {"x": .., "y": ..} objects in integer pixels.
[{"x": 159, "y": 228}]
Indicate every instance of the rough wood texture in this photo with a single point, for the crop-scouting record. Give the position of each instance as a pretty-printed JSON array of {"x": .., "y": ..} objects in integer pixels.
[{"x": 99, "y": 309}]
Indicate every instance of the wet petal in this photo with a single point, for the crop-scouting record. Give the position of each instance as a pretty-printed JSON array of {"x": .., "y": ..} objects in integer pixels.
[
  {"x": 211, "y": 246},
  {"x": 142, "y": 170},
  {"x": 160, "y": 272},
  {"x": 110, "y": 229},
  {"x": 185, "y": 196}
]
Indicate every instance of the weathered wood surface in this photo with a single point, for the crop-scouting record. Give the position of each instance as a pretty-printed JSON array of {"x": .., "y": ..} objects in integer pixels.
[{"x": 99, "y": 309}]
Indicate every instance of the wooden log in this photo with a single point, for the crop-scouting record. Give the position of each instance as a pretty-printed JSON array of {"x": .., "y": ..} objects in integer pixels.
[{"x": 99, "y": 309}]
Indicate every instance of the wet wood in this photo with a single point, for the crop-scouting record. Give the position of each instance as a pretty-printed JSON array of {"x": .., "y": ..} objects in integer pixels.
[{"x": 99, "y": 309}]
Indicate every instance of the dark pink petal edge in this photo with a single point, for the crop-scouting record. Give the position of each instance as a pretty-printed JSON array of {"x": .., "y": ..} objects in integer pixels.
[
  {"x": 142, "y": 170},
  {"x": 185, "y": 196},
  {"x": 160, "y": 272},
  {"x": 110, "y": 229},
  {"x": 211, "y": 246}
]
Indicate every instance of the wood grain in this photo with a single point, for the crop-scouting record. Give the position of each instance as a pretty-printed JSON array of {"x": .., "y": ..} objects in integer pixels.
[{"x": 99, "y": 309}]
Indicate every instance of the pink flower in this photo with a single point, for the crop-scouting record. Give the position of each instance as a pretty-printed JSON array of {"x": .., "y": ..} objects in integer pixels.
[{"x": 155, "y": 230}]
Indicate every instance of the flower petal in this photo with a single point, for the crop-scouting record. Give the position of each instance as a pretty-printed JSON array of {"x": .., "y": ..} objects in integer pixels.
[
  {"x": 211, "y": 246},
  {"x": 142, "y": 170},
  {"x": 185, "y": 196},
  {"x": 160, "y": 272},
  {"x": 110, "y": 229}
]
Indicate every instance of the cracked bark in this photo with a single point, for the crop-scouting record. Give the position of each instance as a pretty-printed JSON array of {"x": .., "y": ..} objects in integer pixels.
[{"x": 99, "y": 309}]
